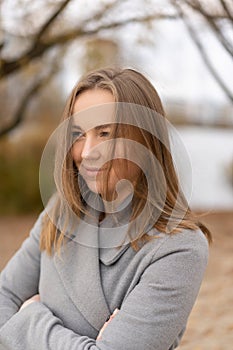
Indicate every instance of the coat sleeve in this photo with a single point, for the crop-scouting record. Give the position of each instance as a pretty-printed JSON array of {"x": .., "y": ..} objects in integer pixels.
[
  {"x": 19, "y": 279},
  {"x": 152, "y": 316}
]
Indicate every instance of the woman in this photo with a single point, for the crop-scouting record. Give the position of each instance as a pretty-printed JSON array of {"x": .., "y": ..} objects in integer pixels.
[{"x": 117, "y": 240}]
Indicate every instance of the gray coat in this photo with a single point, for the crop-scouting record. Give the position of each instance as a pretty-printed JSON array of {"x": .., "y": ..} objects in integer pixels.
[{"x": 154, "y": 288}]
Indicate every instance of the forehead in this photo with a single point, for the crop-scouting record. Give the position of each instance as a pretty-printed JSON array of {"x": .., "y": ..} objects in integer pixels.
[{"x": 93, "y": 108}]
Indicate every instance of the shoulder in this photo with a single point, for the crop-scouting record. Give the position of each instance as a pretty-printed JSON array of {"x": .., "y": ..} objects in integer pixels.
[
  {"x": 41, "y": 219},
  {"x": 178, "y": 262},
  {"x": 189, "y": 244}
]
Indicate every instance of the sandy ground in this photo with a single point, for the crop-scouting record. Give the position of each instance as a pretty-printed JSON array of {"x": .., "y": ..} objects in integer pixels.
[{"x": 210, "y": 325}]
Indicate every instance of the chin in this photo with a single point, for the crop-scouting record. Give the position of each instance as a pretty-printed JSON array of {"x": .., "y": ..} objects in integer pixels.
[{"x": 92, "y": 185}]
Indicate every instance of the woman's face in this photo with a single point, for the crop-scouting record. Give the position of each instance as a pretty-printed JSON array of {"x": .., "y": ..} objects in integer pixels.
[{"x": 91, "y": 144}]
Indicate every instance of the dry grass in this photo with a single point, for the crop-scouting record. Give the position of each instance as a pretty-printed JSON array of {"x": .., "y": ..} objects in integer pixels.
[{"x": 210, "y": 325}]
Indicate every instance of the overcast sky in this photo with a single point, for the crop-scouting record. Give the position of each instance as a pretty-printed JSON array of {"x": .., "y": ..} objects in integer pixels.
[{"x": 174, "y": 64}]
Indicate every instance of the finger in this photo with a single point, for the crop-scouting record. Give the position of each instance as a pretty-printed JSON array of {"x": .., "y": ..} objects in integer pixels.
[
  {"x": 106, "y": 323},
  {"x": 35, "y": 297},
  {"x": 115, "y": 312},
  {"x": 26, "y": 303}
]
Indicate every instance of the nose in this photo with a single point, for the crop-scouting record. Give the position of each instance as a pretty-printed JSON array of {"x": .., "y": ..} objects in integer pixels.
[{"x": 89, "y": 150}]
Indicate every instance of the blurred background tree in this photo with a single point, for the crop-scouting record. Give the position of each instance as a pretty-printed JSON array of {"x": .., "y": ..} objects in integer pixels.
[
  {"x": 31, "y": 44},
  {"x": 44, "y": 44}
]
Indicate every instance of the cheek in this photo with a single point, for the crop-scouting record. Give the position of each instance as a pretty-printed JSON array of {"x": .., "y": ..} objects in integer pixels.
[
  {"x": 125, "y": 169},
  {"x": 76, "y": 152}
]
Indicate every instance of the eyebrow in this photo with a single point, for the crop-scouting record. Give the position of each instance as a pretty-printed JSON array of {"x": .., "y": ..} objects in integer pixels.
[{"x": 98, "y": 127}]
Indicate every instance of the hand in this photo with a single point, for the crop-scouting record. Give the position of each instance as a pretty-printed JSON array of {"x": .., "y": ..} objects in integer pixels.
[
  {"x": 31, "y": 300},
  {"x": 106, "y": 323}
]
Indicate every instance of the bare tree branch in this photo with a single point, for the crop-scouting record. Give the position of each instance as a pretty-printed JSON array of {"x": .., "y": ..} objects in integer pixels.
[
  {"x": 104, "y": 10},
  {"x": 35, "y": 37},
  {"x": 197, "y": 7},
  {"x": 99, "y": 15},
  {"x": 201, "y": 49},
  {"x": 20, "y": 112},
  {"x": 8, "y": 67},
  {"x": 42, "y": 42},
  {"x": 113, "y": 25},
  {"x": 227, "y": 10},
  {"x": 50, "y": 21}
]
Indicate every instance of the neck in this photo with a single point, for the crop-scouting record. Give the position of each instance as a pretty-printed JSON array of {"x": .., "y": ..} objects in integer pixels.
[{"x": 117, "y": 202}]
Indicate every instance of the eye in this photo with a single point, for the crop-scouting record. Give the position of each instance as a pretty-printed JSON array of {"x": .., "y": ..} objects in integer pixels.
[
  {"x": 104, "y": 133},
  {"x": 76, "y": 135}
]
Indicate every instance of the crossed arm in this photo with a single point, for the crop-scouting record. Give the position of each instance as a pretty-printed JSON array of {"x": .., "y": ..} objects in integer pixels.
[
  {"x": 36, "y": 297},
  {"x": 152, "y": 316}
]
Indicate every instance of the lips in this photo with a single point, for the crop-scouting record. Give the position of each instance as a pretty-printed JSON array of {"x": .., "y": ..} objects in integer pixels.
[{"x": 91, "y": 171}]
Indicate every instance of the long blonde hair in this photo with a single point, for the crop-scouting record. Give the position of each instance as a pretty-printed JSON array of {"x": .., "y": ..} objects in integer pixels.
[{"x": 130, "y": 87}]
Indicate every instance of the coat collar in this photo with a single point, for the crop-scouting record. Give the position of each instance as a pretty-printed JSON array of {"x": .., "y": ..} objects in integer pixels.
[
  {"x": 113, "y": 237},
  {"x": 78, "y": 263},
  {"x": 109, "y": 256},
  {"x": 78, "y": 267}
]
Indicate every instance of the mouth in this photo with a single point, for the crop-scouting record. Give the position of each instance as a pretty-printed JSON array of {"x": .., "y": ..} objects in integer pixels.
[{"x": 91, "y": 171}]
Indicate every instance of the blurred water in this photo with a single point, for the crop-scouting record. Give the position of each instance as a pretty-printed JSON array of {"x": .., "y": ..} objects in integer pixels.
[{"x": 210, "y": 151}]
